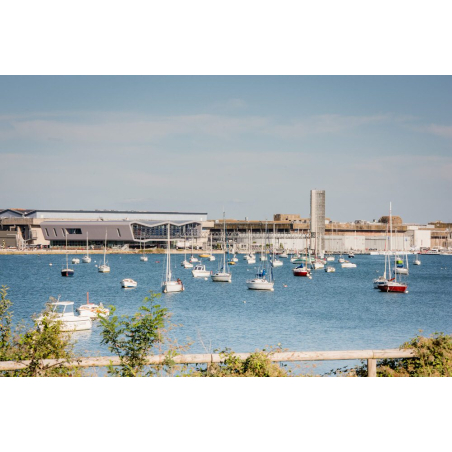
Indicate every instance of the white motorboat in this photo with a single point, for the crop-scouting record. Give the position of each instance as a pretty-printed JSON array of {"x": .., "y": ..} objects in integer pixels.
[
  {"x": 330, "y": 259},
  {"x": 350, "y": 255},
  {"x": 330, "y": 269},
  {"x": 75, "y": 260},
  {"x": 128, "y": 283},
  {"x": 283, "y": 255},
  {"x": 235, "y": 259},
  {"x": 86, "y": 259},
  {"x": 168, "y": 285},
  {"x": 200, "y": 271},
  {"x": 251, "y": 260},
  {"x": 401, "y": 271},
  {"x": 143, "y": 258},
  {"x": 92, "y": 310},
  {"x": 63, "y": 311},
  {"x": 223, "y": 274},
  {"x": 104, "y": 268},
  {"x": 348, "y": 264}
]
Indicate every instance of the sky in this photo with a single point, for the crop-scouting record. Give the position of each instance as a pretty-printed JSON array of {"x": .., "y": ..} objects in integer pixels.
[{"x": 253, "y": 145}]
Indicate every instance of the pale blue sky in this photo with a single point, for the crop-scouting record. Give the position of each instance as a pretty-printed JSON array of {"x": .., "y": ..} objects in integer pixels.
[{"x": 255, "y": 145}]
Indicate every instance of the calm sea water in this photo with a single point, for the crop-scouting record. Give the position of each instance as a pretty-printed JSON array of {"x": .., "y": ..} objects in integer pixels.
[{"x": 333, "y": 311}]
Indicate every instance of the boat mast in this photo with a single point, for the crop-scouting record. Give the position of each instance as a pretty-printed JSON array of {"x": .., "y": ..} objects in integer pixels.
[
  {"x": 67, "y": 259},
  {"x": 168, "y": 255},
  {"x": 87, "y": 251}
]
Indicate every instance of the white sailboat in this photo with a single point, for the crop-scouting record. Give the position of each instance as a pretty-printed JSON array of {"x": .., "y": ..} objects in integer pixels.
[
  {"x": 417, "y": 260},
  {"x": 275, "y": 261},
  {"x": 143, "y": 258},
  {"x": 260, "y": 281},
  {"x": 211, "y": 257},
  {"x": 169, "y": 285},
  {"x": 86, "y": 259},
  {"x": 223, "y": 274},
  {"x": 192, "y": 258},
  {"x": 185, "y": 263},
  {"x": 104, "y": 268},
  {"x": 93, "y": 310}
]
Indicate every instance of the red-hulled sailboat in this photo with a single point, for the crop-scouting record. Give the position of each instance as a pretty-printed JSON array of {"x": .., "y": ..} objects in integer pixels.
[
  {"x": 393, "y": 286},
  {"x": 301, "y": 270}
]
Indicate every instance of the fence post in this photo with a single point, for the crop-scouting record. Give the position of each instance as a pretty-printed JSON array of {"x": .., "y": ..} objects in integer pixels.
[{"x": 371, "y": 367}]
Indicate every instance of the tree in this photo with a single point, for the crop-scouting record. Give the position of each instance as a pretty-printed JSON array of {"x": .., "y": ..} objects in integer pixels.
[{"x": 132, "y": 338}]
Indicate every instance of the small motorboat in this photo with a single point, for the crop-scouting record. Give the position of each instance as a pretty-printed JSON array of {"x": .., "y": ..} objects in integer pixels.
[
  {"x": 200, "y": 271},
  {"x": 251, "y": 260},
  {"x": 204, "y": 255},
  {"x": 128, "y": 283},
  {"x": 75, "y": 260},
  {"x": 347, "y": 264},
  {"x": 351, "y": 255},
  {"x": 330, "y": 269},
  {"x": 235, "y": 259},
  {"x": 63, "y": 311},
  {"x": 211, "y": 257},
  {"x": 143, "y": 258},
  {"x": 330, "y": 259},
  {"x": 231, "y": 262}
]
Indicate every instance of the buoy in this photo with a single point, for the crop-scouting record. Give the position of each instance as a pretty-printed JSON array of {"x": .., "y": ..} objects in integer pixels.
[
  {"x": 285, "y": 285},
  {"x": 244, "y": 301},
  {"x": 50, "y": 264},
  {"x": 205, "y": 279}
]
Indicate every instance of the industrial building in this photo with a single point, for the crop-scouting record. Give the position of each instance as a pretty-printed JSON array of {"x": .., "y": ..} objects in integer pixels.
[
  {"x": 318, "y": 219},
  {"x": 43, "y": 228}
]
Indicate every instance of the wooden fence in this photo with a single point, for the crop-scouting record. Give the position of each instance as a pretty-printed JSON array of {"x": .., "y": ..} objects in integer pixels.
[{"x": 370, "y": 355}]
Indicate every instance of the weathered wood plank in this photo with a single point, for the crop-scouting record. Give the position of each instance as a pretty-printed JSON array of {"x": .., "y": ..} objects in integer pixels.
[{"x": 102, "y": 361}]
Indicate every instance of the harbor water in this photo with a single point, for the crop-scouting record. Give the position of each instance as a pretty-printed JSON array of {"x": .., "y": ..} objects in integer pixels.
[{"x": 332, "y": 311}]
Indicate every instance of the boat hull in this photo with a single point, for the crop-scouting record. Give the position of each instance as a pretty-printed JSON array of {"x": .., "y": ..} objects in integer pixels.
[
  {"x": 172, "y": 286},
  {"x": 200, "y": 273},
  {"x": 260, "y": 284},
  {"x": 67, "y": 272},
  {"x": 301, "y": 272},
  {"x": 222, "y": 277},
  {"x": 86, "y": 260},
  {"x": 397, "y": 288}
]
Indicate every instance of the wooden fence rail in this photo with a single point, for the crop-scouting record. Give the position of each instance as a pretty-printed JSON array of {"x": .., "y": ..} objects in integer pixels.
[{"x": 209, "y": 358}]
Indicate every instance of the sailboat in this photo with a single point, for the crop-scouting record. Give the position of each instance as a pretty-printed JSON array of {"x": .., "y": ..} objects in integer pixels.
[
  {"x": 260, "y": 281},
  {"x": 67, "y": 271},
  {"x": 185, "y": 263},
  {"x": 417, "y": 261},
  {"x": 223, "y": 274},
  {"x": 169, "y": 285},
  {"x": 192, "y": 258},
  {"x": 381, "y": 280},
  {"x": 303, "y": 269},
  {"x": 86, "y": 259},
  {"x": 104, "y": 268},
  {"x": 93, "y": 310},
  {"x": 391, "y": 285},
  {"x": 400, "y": 268},
  {"x": 143, "y": 258},
  {"x": 275, "y": 261},
  {"x": 211, "y": 257}
]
